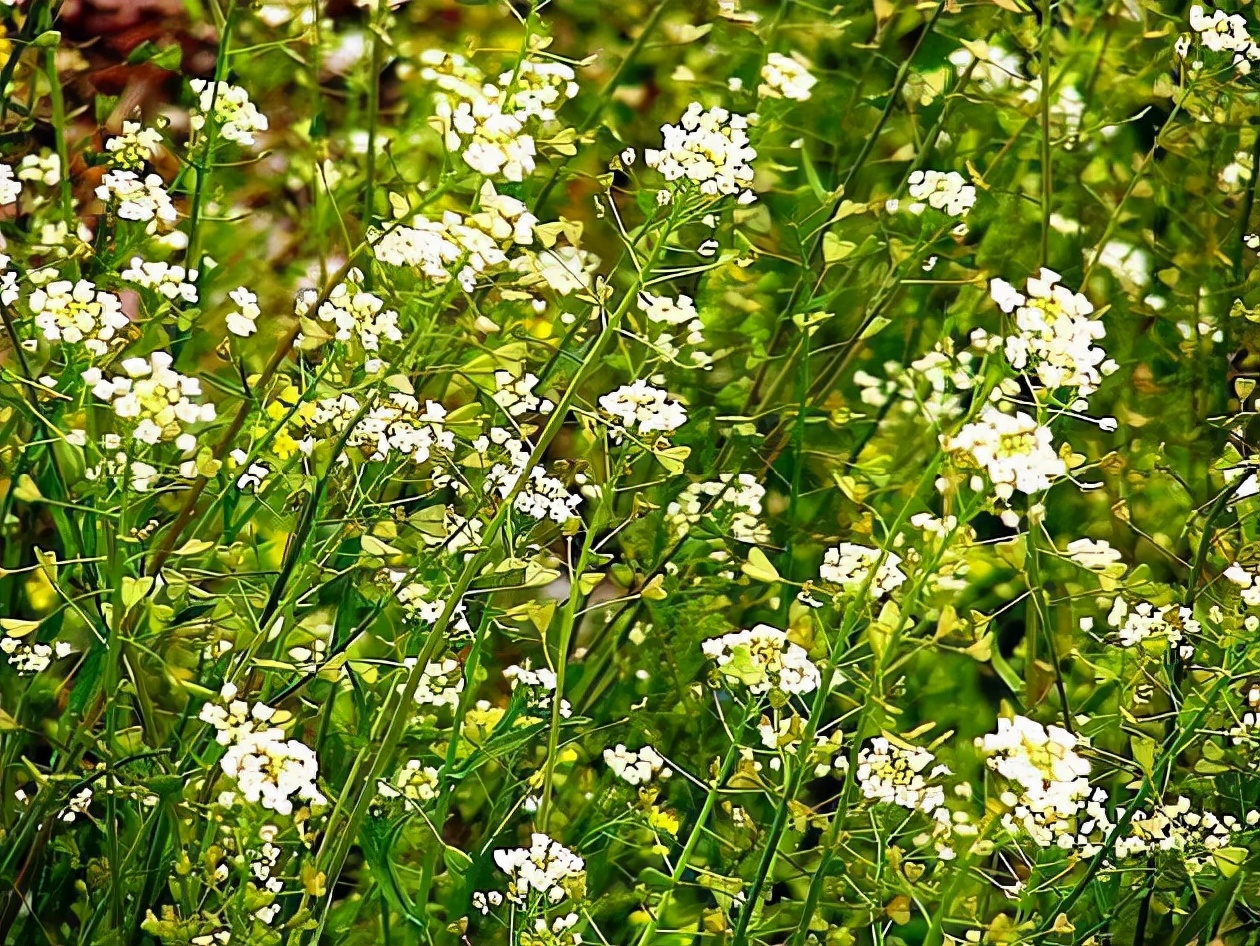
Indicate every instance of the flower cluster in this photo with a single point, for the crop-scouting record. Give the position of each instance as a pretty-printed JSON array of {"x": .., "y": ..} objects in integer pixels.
[
  {"x": 268, "y": 769},
  {"x": 160, "y": 400},
  {"x": 1048, "y": 795},
  {"x": 392, "y": 425},
  {"x": 172, "y": 282},
  {"x": 1144, "y": 621},
  {"x": 786, "y": 77},
  {"x": 77, "y": 313},
  {"x": 851, "y": 566},
  {"x": 1055, "y": 334},
  {"x": 229, "y": 107},
  {"x": 415, "y": 781},
  {"x": 1183, "y": 829},
  {"x": 32, "y": 657},
  {"x": 763, "y": 659},
  {"x": 941, "y": 190},
  {"x": 1219, "y": 32},
  {"x": 135, "y": 198},
  {"x": 733, "y": 500},
  {"x": 136, "y": 145},
  {"x": 546, "y": 867},
  {"x": 892, "y": 774},
  {"x": 637, "y": 767},
  {"x": 1013, "y": 449},
  {"x": 708, "y": 148},
  {"x": 641, "y": 410},
  {"x": 351, "y": 313}
]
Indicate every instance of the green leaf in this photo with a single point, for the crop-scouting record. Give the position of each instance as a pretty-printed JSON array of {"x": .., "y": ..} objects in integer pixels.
[{"x": 759, "y": 568}]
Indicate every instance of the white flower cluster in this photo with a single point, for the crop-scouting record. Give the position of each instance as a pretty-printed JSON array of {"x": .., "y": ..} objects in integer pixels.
[
  {"x": 352, "y": 313},
  {"x": 708, "y": 148},
  {"x": 542, "y": 496},
  {"x": 461, "y": 248},
  {"x": 171, "y": 282},
  {"x": 563, "y": 269},
  {"x": 931, "y": 386},
  {"x": 10, "y": 186},
  {"x": 1183, "y": 829},
  {"x": 1015, "y": 452},
  {"x": 1144, "y": 620},
  {"x": 641, "y": 410},
  {"x": 941, "y": 190},
  {"x": 786, "y": 77},
  {"x": 243, "y": 320},
  {"x": 136, "y": 145},
  {"x": 441, "y": 683},
  {"x": 42, "y": 168},
  {"x": 850, "y": 566},
  {"x": 77, "y": 312},
  {"x": 546, "y": 867},
  {"x": 33, "y": 657},
  {"x": 487, "y": 124},
  {"x": 268, "y": 769},
  {"x": 676, "y": 313},
  {"x": 159, "y": 399},
  {"x": 737, "y": 496},
  {"x": 134, "y": 198},
  {"x": 762, "y": 659},
  {"x": 230, "y": 108},
  {"x": 1048, "y": 795},
  {"x": 415, "y": 782},
  {"x": 540, "y": 686},
  {"x": 395, "y": 425},
  {"x": 1097, "y": 556},
  {"x": 1248, "y": 584},
  {"x": 636, "y": 767},
  {"x": 1219, "y": 32},
  {"x": 515, "y": 394},
  {"x": 487, "y": 134},
  {"x": 539, "y": 88},
  {"x": 1055, "y": 333},
  {"x": 893, "y": 775}
]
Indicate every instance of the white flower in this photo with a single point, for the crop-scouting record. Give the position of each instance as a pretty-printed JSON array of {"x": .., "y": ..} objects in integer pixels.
[
  {"x": 943, "y": 190},
  {"x": 1015, "y": 452},
  {"x": 1055, "y": 334},
  {"x": 442, "y": 681},
  {"x": 489, "y": 137},
  {"x": 786, "y": 77},
  {"x": 516, "y": 394},
  {"x": 1049, "y": 798},
  {"x": 353, "y": 314},
  {"x": 763, "y": 659},
  {"x": 10, "y": 186},
  {"x": 546, "y": 867},
  {"x": 42, "y": 168},
  {"x": 893, "y": 775},
  {"x": 736, "y": 498},
  {"x": 272, "y": 771},
  {"x": 172, "y": 282},
  {"x": 159, "y": 400},
  {"x": 135, "y": 199},
  {"x": 1222, "y": 32},
  {"x": 850, "y": 566},
  {"x": 243, "y": 320},
  {"x": 136, "y": 145},
  {"x": 74, "y": 313},
  {"x": 1144, "y": 620},
  {"x": 708, "y": 148},
  {"x": 230, "y": 108},
  {"x": 1096, "y": 556},
  {"x": 636, "y": 767},
  {"x": 1247, "y": 583},
  {"x": 643, "y": 410}
]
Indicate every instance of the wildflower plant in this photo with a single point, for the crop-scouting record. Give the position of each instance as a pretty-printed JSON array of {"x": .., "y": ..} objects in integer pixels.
[{"x": 558, "y": 472}]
